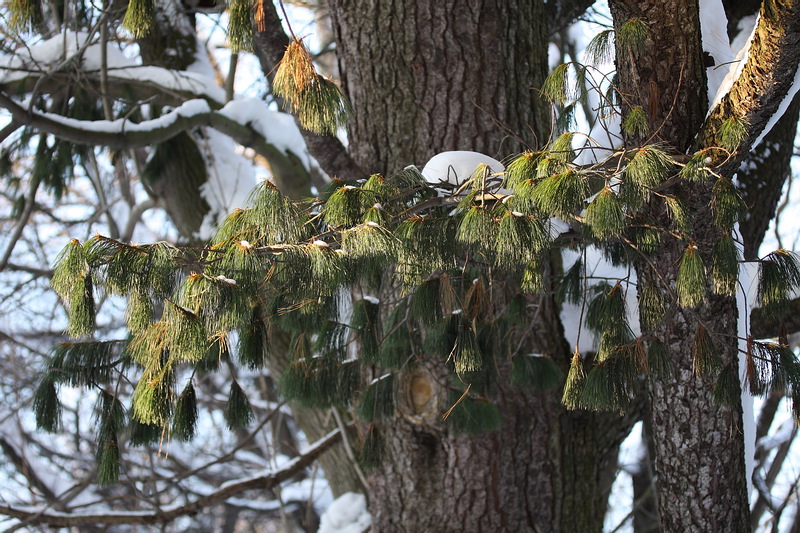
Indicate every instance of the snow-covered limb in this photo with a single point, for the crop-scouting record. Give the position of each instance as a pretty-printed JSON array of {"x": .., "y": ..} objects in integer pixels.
[
  {"x": 44, "y": 66},
  {"x": 120, "y": 134},
  {"x": 262, "y": 481},
  {"x": 766, "y": 80}
]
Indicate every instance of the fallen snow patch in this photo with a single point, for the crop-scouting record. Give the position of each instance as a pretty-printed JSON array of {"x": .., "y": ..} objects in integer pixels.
[{"x": 347, "y": 514}]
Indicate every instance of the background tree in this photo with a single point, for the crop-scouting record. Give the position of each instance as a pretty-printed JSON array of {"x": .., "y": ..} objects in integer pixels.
[{"x": 432, "y": 85}]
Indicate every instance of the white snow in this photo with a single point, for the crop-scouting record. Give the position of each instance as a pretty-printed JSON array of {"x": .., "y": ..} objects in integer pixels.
[
  {"x": 372, "y": 300},
  {"x": 714, "y": 29},
  {"x": 347, "y": 514},
  {"x": 278, "y": 129},
  {"x": 746, "y": 301},
  {"x": 781, "y": 109},
  {"x": 230, "y": 179},
  {"x": 188, "y": 109},
  {"x": 51, "y": 54},
  {"x": 734, "y": 69},
  {"x": 598, "y": 270},
  {"x": 457, "y": 166}
]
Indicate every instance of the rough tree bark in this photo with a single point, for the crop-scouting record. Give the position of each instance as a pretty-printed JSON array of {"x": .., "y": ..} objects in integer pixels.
[
  {"x": 698, "y": 442},
  {"x": 461, "y": 75}
]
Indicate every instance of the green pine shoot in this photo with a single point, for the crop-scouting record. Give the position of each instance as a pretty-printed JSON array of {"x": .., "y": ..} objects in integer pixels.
[
  {"x": 467, "y": 353},
  {"x": 238, "y": 413},
  {"x": 696, "y": 170},
  {"x": 635, "y": 124},
  {"x": 532, "y": 279},
  {"x": 556, "y": 87},
  {"x": 538, "y": 372},
  {"x": 706, "y": 359},
  {"x": 520, "y": 239},
  {"x": 184, "y": 420},
  {"x": 691, "y": 281},
  {"x": 25, "y": 14},
  {"x": 632, "y": 34},
  {"x": 658, "y": 360},
  {"x": 473, "y": 416},
  {"x": 377, "y": 400},
  {"x": 727, "y": 204},
  {"x": 139, "y": 17},
  {"x": 570, "y": 289},
  {"x": 152, "y": 397},
  {"x": 648, "y": 167},
  {"x": 240, "y": 25},
  {"x": 732, "y": 133},
  {"x": 478, "y": 228},
  {"x": 46, "y": 406},
  {"x": 72, "y": 281},
  {"x": 346, "y": 206},
  {"x": 610, "y": 385},
  {"x": 575, "y": 382},
  {"x": 604, "y": 215},
  {"x": 371, "y": 453},
  {"x": 521, "y": 168},
  {"x": 652, "y": 307},
  {"x": 600, "y": 49},
  {"x": 779, "y": 277},
  {"x": 678, "y": 215},
  {"x": 108, "y": 457},
  {"x": 725, "y": 266},
  {"x": 318, "y": 103},
  {"x": 726, "y": 389},
  {"x": 561, "y": 195}
]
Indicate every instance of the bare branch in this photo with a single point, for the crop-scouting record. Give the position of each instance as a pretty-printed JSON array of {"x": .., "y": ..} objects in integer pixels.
[{"x": 167, "y": 514}]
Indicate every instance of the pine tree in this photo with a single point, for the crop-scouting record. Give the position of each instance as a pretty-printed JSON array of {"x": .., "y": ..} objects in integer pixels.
[{"x": 459, "y": 362}]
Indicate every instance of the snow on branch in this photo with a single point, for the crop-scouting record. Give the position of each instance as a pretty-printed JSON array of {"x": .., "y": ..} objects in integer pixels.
[
  {"x": 767, "y": 79},
  {"x": 121, "y": 133},
  {"x": 44, "y": 65},
  {"x": 263, "y": 481}
]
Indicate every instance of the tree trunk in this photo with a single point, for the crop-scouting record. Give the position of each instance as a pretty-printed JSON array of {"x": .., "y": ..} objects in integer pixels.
[
  {"x": 462, "y": 75},
  {"x": 698, "y": 442}
]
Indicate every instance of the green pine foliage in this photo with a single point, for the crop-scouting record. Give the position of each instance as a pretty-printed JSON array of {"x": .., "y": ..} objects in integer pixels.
[
  {"x": 706, "y": 358},
  {"x": 72, "y": 281},
  {"x": 25, "y": 14},
  {"x": 632, "y": 35},
  {"x": 778, "y": 277},
  {"x": 562, "y": 195},
  {"x": 604, "y": 215},
  {"x": 726, "y": 204},
  {"x": 87, "y": 363},
  {"x": 648, "y": 167},
  {"x": 538, "y": 372},
  {"x": 139, "y": 17},
  {"x": 184, "y": 421},
  {"x": 238, "y": 413},
  {"x": 371, "y": 453},
  {"x": 732, "y": 133},
  {"x": 522, "y": 168},
  {"x": 570, "y": 289},
  {"x": 610, "y": 384},
  {"x": 317, "y": 102},
  {"x": 726, "y": 389},
  {"x": 240, "y": 25},
  {"x": 659, "y": 362},
  {"x": 600, "y": 49},
  {"x": 473, "y": 416},
  {"x": 725, "y": 266},
  {"x": 576, "y": 377},
  {"x": 691, "y": 281},
  {"x": 772, "y": 367},
  {"x": 520, "y": 239},
  {"x": 652, "y": 306},
  {"x": 377, "y": 401},
  {"x": 46, "y": 406},
  {"x": 635, "y": 124},
  {"x": 695, "y": 170}
]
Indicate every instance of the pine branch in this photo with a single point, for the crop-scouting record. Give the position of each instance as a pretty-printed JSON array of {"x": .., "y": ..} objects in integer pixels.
[
  {"x": 38, "y": 516},
  {"x": 763, "y": 326},
  {"x": 269, "y": 45},
  {"x": 130, "y": 135}
]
